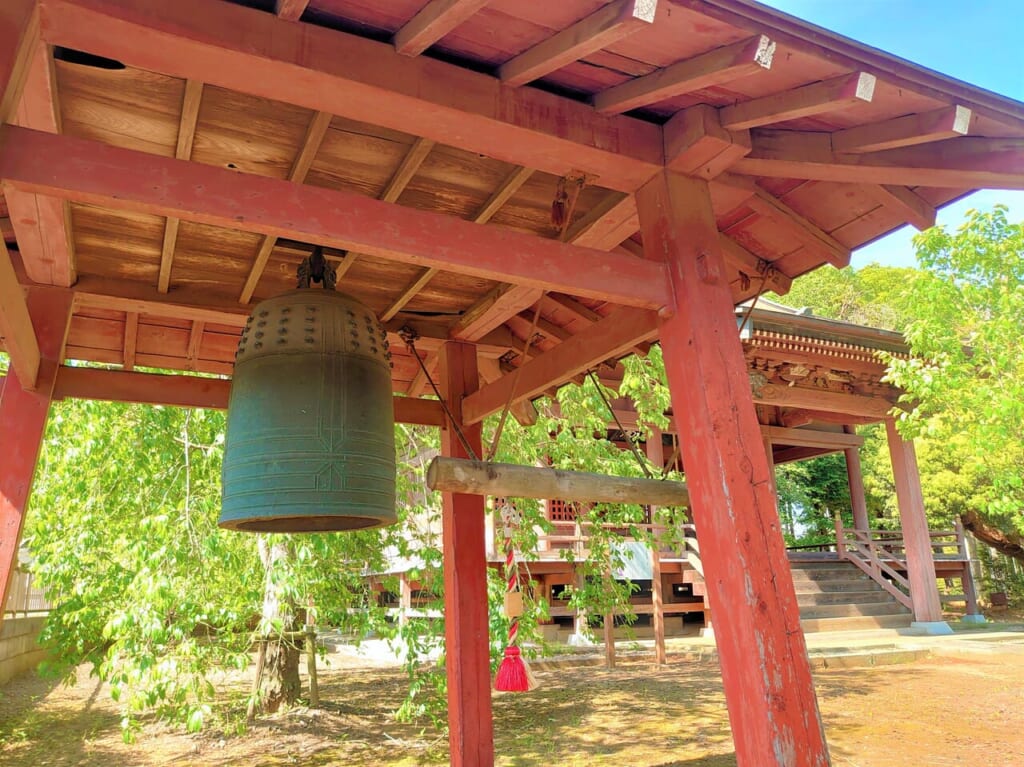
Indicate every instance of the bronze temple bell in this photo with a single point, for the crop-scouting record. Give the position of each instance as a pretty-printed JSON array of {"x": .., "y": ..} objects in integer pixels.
[{"x": 310, "y": 443}]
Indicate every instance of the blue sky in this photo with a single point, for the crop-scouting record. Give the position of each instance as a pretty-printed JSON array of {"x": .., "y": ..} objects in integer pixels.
[{"x": 978, "y": 41}]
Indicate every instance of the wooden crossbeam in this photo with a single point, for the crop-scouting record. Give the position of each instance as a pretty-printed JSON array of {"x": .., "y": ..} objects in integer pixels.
[
  {"x": 19, "y": 337},
  {"x": 811, "y": 438},
  {"x": 492, "y": 310},
  {"x": 696, "y": 143},
  {"x": 131, "y": 338},
  {"x": 192, "y": 391},
  {"x": 905, "y": 203},
  {"x": 183, "y": 151},
  {"x": 613, "y": 336},
  {"x": 314, "y": 137},
  {"x": 811, "y": 235},
  {"x": 754, "y": 266},
  {"x": 969, "y": 162},
  {"x": 505, "y": 191},
  {"x": 603, "y": 27},
  {"x": 821, "y": 399},
  {"x": 435, "y": 20},
  {"x": 490, "y": 370},
  {"x": 825, "y": 96},
  {"x": 715, "y": 67},
  {"x": 128, "y": 180},
  {"x": 360, "y": 79},
  {"x": 42, "y": 224},
  {"x": 609, "y": 222},
  {"x": 948, "y": 122},
  {"x": 290, "y": 10}
]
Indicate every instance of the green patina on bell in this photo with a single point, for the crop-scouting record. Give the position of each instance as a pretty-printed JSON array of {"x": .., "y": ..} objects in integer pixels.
[{"x": 310, "y": 436}]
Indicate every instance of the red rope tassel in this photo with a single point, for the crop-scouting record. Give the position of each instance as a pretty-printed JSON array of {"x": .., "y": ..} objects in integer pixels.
[{"x": 514, "y": 672}]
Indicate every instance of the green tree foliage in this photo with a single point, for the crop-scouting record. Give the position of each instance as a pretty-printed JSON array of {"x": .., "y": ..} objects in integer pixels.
[{"x": 964, "y": 381}]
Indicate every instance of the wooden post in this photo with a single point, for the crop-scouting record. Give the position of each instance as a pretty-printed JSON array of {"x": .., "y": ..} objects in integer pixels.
[
  {"x": 765, "y": 670},
  {"x": 970, "y": 590},
  {"x": 917, "y": 541},
  {"x": 23, "y": 417},
  {"x": 314, "y": 685},
  {"x": 656, "y": 454},
  {"x": 19, "y": 32},
  {"x": 404, "y": 598},
  {"x": 471, "y": 729},
  {"x": 856, "y": 479},
  {"x": 609, "y": 639}
]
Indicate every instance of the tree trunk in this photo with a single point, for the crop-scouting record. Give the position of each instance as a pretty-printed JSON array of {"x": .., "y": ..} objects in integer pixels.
[
  {"x": 279, "y": 682},
  {"x": 1006, "y": 542}
]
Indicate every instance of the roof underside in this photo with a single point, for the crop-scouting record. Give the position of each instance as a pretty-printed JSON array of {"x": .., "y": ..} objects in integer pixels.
[{"x": 813, "y": 146}]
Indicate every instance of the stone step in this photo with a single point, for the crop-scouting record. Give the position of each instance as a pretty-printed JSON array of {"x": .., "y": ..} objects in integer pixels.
[
  {"x": 829, "y": 574},
  {"x": 834, "y": 586},
  {"x": 852, "y": 610},
  {"x": 863, "y": 623},
  {"x": 842, "y": 597}
]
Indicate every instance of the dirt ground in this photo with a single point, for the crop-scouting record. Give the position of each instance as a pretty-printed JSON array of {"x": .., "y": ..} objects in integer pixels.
[{"x": 966, "y": 709}]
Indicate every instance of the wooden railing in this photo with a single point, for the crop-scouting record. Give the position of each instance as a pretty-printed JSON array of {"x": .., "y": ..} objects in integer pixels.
[
  {"x": 882, "y": 555},
  {"x": 23, "y": 596}
]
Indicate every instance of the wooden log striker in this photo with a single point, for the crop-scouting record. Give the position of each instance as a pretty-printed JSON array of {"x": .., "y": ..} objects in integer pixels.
[{"x": 459, "y": 475}]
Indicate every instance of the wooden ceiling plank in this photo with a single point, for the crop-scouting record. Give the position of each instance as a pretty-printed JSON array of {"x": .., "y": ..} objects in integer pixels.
[
  {"x": 315, "y": 133},
  {"x": 505, "y": 191},
  {"x": 754, "y": 266},
  {"x": 707, "y": 70},
  {"x": 290, "y": 10},
  {"x": 360, "y": 79},
  {"x": 948, "y": 122},
  {"x": 824, "y": 96},
  {"x": 612, "y": 337},
  {"x": 807, "y": 232},
  {"x": 131, "y": 339},
  {"x": 408, "y": 293},
  {"x": 905, "y": 203},
  {"x": 193, "y": 391},
  {"x": 435, "y": 20},
  {"x": 191, "y": 100},
  {"x": 19, "y": 35},
  {"x": 696, "y": 143},
  {"x": 600, "y": 29},
  {"x": 42, "y": 225},
  {"x": 968, "y": 162},
  {"x": 109, "y": 176},
  {"x": 492, "y": 310},
  {"x": 19, "y": 337}
]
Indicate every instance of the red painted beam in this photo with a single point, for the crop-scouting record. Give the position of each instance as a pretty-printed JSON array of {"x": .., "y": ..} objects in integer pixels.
[
  {"x": 765, "y": 669},
  {"x": 23, "y": 417},
  {"x": 99, "y": 174},
  {"x": 193, "y": 391},
  {"x": 253, "y": 52},
  {"x": 19, "y": 28},
  {"x": 467, "y": 647}
]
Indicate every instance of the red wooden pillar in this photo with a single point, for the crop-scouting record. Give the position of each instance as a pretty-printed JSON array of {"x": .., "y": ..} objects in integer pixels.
[
  {"x": 19, "y": 29},
  {"x": 23, "y": 417},
  {"x": 917, "y": 540},
  {"x": 856, "y": 479},
  {"x": 471, "y": 730},
  {"x": 765, "y": 670}
]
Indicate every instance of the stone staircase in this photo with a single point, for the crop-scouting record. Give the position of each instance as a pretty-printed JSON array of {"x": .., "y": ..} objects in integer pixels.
[{"x": 836, "y": 596}]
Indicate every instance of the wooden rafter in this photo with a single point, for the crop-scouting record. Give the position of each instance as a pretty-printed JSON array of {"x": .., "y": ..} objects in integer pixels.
[
  {"x": 505, "y": 191},
  {"x": 19, "y": 33},
  {"x": 195, "y": 342},
  {"x": 606, "y": 224},
  {"x": 124, "y": 179},
  {"x": 19, "y": 337},
  {"x": 835, "y": 93},
  {"x": 612, "y": 337},
  {"x": 603, "y": 27},
  {"x": 969, "y": 162},
  {"x": 492, "y": 310},
  {"x": 290, "y": 10},
  {"x": 948, "y": 122},
  {"x": 696, "y": 143},
  {"x": 435, "y": 20},
  {"x": 905, "y": 203},
  {"x": 574, "y": 307},
  {"x": 808, "y": 233},
  {"x": 314, "y": 137},
  {"x": 42, "y": 225},
  {"x": 715, "y": 67},
  {"x": 755, "y": 267},
  {"x": 192, "y": 391},
  {"x": 408, "y": 293},
  {"x": 358, "y": 78},
  {"x": 183, "y": 151}
]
